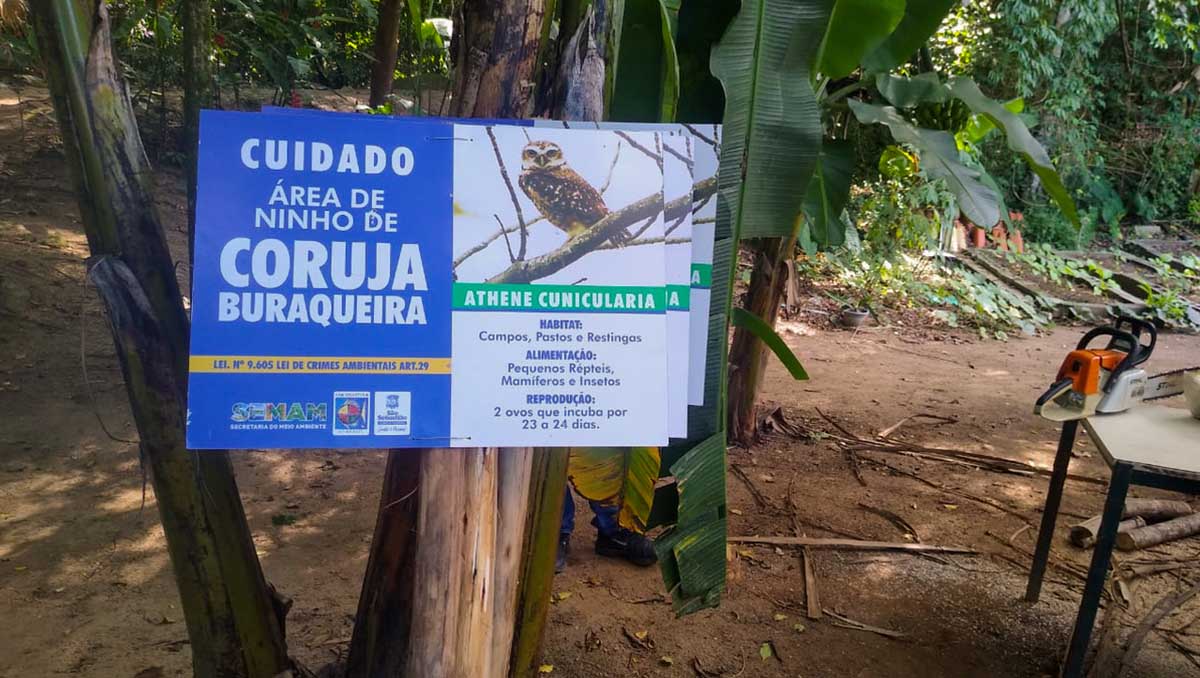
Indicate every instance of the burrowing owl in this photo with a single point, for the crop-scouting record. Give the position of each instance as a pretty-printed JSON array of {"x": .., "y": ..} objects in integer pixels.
[{"x": 563, "y": 197}]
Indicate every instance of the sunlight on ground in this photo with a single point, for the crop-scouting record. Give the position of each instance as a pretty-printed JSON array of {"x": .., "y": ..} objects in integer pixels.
[{"x": 795, "y": 327}]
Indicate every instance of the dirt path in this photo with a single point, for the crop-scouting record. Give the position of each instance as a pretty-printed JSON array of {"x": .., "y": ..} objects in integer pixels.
[{"x": 85, "y": 583}]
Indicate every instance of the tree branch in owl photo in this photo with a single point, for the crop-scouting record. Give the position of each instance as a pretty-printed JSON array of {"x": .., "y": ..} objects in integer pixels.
[
  {"x": 611, "y": 170},
  {"x": 595, "y": 236},
  {"x": 700, "y": 135},
  {"x": 656, "y": 157},
  {"x": 512, "y": 193}
]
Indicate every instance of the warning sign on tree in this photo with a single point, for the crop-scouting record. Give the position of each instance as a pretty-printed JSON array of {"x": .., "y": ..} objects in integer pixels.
[{"x": 366, "y": 282}]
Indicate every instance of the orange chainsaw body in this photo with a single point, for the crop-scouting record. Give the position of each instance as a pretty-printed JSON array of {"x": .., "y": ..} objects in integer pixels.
[{"x": 1086, "y": 367}]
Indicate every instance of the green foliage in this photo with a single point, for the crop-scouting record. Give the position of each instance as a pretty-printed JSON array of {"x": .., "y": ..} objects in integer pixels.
[
  {"x": 921, "y": 19},
  {"x": 950, "y": 295},
  {"x": 1167, "y": 306},
  {"x": 1088, "y": 274},
  {"x": 284, "y": 44},
  {"x": 1020, "y": 141},
  {"x": 993, "y": 310},
  {"x": 1116, "y": 94},
  {"x": 18, "y": 46},
  {"x": 903, "y": 214}
]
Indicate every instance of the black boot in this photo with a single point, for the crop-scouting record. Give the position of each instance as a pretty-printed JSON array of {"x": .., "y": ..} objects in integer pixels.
[{"x": 631, "y": 546}]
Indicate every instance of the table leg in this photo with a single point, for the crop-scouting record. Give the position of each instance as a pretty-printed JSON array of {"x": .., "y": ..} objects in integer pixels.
[
  {"x": 1114, "y": 507},
  {"x": 1058, "y": 477}
]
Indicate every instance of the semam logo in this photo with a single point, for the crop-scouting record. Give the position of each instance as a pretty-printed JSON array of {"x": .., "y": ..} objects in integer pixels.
[
  {"x": 283, "y": 412},
  {"x": 351, "y": 412}
]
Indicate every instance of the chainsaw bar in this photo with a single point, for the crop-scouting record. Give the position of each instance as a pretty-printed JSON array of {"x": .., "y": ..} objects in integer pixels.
[{"x": 1166, "y": 384}]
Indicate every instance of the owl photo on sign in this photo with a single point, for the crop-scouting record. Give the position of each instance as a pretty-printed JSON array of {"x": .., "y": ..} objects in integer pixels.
[{"x": 563, "y": 197}]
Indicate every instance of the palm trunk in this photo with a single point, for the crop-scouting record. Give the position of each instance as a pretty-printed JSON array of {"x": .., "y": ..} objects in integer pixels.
[
  {"x": 387, "y": 43},
  {"x": 232, "y": 623},
  {"x": 747, "y": 354}
]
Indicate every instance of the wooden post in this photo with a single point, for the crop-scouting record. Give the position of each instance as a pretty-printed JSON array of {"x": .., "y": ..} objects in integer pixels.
[{"x": 232, "y": 623}]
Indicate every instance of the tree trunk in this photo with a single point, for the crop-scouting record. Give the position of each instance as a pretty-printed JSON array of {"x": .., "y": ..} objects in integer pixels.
[
  {"x": 452, "y": 522},
  {"x": 197, "y": 94},
  {"x": 497, "y": 58},
  {"x": 232, "y": 623},
  {"x": 387, "y": 43},
  {"x": 747, "y": 354}
]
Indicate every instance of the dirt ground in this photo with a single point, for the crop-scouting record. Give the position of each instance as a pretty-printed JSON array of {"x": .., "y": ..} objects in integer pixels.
[{"x": 86, "y": 587}]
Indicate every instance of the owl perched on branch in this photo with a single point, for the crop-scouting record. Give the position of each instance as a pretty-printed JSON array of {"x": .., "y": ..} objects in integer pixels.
[{"x": 563, "y": 197}]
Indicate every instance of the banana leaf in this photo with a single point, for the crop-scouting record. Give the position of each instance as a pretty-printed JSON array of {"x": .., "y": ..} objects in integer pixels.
[
  {"x": 767, "y": 335},
  {"x": 669, "y": 98},
  {"x": 1020, "y": 140},
  {"x": 416, "y": 17},
  {"x": 938, "y": 155},
  {"x": 617, "y": 477},
  {"x": 691, "y": 554},
  {"x": 646, "y": 84},
  {"x": 827, "y": 195},
  {"x": 856, "y": 27},
  {"x": 921, "y": 20},
  {"x": 908, "y": 92},
  {"x": 772, "y": 128},
  {"x": 979, "y": 125}
]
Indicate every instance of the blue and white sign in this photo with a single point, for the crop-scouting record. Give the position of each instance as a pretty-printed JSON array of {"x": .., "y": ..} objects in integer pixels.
[{"x": 381, "y": 282}]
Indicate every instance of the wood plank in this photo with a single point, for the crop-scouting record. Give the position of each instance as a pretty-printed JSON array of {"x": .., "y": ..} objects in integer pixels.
[{"x": 848, "y": 544}]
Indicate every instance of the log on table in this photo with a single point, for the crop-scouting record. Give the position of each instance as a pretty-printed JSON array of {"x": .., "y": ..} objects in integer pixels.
[
  {"x": 1160, "y": 533},
  {"x": 1083, "y": 535},
  {"x": 1153, "y": 510}
]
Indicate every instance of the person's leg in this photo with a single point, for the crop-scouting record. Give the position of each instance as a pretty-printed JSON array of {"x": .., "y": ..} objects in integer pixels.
[
  {"x": 605, "y": 519},
  {"x": 614, "y": 541},
  {"x": 564, "y": 532}
]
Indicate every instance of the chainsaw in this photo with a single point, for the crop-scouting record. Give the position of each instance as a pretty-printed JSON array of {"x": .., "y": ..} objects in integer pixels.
[{"x": 1108, "y": 380}]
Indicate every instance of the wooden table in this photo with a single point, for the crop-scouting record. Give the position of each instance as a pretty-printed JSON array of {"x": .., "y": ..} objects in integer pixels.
[{"x": 1148, "y": 445}]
